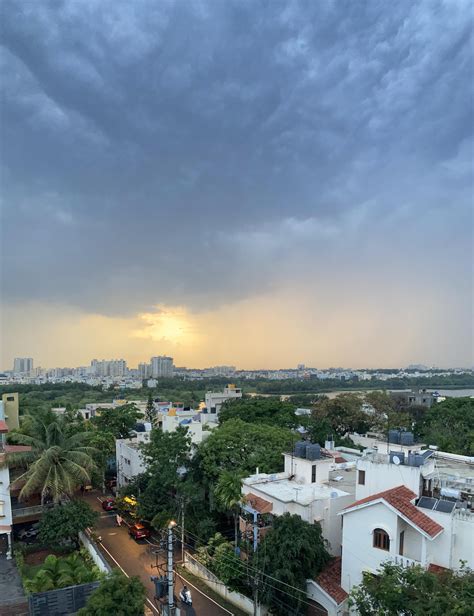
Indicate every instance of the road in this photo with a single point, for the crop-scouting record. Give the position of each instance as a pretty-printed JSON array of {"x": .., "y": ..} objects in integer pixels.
[{"x": 136, "y": 558}]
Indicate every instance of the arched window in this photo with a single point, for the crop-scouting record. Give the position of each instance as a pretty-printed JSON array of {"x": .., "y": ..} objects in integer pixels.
[{"x": 381, "y": 539}]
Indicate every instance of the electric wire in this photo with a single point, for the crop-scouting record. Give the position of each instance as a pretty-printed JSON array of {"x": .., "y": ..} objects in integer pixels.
[
  {"x": 258, "y": 571},
  {"x": 268, "y": 584}
]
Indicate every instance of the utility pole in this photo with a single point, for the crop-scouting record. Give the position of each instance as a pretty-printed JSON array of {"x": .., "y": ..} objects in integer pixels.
[
  {"x": 182, "y": 532},
  {"x": 171, "y": 525}
]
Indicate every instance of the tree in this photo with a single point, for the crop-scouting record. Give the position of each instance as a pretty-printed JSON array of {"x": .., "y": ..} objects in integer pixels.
[
  {"x": 166, "y": 456},
  {"x": 61, "y": 572},
  {"x": 65, "y": 522},
  {"x": 242, "y": 447},
  {"x": 449, "y": 425},
  {"x": 226, "y": 564},
  {"x": 344, "y": 414},
  {"x": 228, "y": 495},
  {"x": 119, "y": 421},
  {"x": 414, "y": 591},
  {"x": 104, "y": 444},
  {"x": 292, "y": 551},
  {"x": 149, "y": 413},
  {"x": 57, "y": 464},
  {"x": 260, "y": 410},
  {"x": 116, "y": 595}
]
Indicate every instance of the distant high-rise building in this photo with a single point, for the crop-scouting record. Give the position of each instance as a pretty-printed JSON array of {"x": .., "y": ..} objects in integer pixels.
[
  {"x": 109, "y": 367},
  {"x": 22, "y": 364},
  {"x": 144, "y": 370},
  {"x": 161, "y": 366}
]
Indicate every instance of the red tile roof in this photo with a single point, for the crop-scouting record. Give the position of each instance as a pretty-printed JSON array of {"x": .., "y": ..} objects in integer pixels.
[
  {"x": 400, "y": 498},
  {"x": 330, "y": 580},
  {"x": 259, "y": 504},
  {"x": 436, "y": 569},
  {"x": 3, "y": 426}
]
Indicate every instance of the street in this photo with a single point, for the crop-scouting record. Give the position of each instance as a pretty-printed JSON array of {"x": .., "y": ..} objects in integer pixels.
[{"x": 137, "y": 558}]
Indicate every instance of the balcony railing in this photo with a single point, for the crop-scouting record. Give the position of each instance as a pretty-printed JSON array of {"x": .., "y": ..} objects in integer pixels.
[
  {"x": 24, "y": 512},
  {"x": 404, "y": 562}
]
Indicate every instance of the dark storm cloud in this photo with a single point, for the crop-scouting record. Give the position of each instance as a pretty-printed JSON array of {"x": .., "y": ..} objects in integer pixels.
[{"x": 195, "y": 151}]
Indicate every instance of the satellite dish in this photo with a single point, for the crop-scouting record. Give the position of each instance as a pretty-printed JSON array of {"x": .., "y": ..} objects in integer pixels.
[{"x": 396, "y": 460}]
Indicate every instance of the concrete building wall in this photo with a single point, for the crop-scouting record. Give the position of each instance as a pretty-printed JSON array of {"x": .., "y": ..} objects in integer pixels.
[
  {"x": 358, "y": 553},
  {"x": 380, "y": 477},
  {"x": 11, "y": 410}
]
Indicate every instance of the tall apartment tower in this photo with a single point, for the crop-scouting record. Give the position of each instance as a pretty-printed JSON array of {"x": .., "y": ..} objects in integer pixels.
[
  {"x": 22, "y": 364},
  {"x": 161, "y": 366}
]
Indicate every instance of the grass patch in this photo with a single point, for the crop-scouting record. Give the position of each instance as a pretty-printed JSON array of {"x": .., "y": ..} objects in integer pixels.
[{"x": 201, "y": 584}]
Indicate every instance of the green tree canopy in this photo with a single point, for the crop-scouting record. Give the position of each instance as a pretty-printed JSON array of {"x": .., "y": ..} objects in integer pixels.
[
  {"x": 228, "y": 495},
  {"x": 449, "y": 425},
  {"x": 117, "y": 595},
  {"x": 119, "y": 421},
  {"x": 167, "y": 455},
  {"x": 292, "y": 551},
  {"x": 61, "y": 572},
  {"x": 242, "y": 447},
  {"x": 343, "y": 414},
  {"x": 260, "y": 410},
  {"x": 64, "y": 522},
  {"x": 413, "y": 591},
  {"x": 57, "y": 464}
]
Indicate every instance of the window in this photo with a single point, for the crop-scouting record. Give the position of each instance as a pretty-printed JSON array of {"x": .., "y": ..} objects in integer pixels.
[
  {"x": 361, "y": 479},
  {"x": 10, "y": 399},
  {"x": 402, "y": 543},
  {"x": 2, "y": 512},
  {"x": 381, "y": 539},
  {"x": 313, "y": 473}
]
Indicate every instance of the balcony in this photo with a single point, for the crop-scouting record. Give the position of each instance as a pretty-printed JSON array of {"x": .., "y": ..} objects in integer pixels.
[
  {"x": 403, "y": 561},
  {"x": 27, "y": 514},
  {"x": 246, "y": 529}
]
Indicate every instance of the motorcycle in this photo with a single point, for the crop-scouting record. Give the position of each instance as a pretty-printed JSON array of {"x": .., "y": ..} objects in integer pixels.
[{"x": 185, "y": 596}]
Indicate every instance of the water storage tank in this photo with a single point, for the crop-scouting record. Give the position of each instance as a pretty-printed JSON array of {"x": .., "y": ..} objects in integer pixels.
[
  {"x": 394, "y": 436},
  {"x": 399, "y": 455},
  {"x": 300, "y": 449},
  {"x": 313, "y": 452},
  {"x": 407, "y": 438}
]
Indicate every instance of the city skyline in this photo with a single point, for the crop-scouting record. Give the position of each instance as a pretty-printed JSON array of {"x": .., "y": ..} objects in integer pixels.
[
  {"x": 243, "y": 183},
  {"x": 151, "y": 368}
]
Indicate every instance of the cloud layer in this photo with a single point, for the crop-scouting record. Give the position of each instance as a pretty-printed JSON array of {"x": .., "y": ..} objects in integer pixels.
[{"x": 201, "y": 154}]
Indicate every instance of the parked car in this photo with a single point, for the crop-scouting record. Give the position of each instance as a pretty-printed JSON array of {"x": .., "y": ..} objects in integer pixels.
[
  {"x": 30, "y": 533},
  {"x": 138, "y": 531},
  {"x": 108, "y": 504}
]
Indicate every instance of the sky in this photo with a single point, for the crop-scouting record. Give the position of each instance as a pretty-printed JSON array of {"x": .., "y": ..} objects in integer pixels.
[{"x": 246, "y": 182}]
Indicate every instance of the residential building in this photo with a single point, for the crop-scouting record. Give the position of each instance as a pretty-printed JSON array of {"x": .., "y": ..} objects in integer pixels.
[
  {"x": 144, "y": 370},
  {"x": 419, "y": 397},
  {"x": 5, "y": 502},
  {"x": 129, "y": 459},
  {"x": 109, "y": 367},
  {"x": 307, "y": 487},
  {"x": 161, "y": 366},
  {"x": 11, "y": 410},
  {"x": 23, "y": 365},
  {"x": 408, "y": 511},
  {"x": 196, "y": 423},
  {"x": 214, "y": 401}
]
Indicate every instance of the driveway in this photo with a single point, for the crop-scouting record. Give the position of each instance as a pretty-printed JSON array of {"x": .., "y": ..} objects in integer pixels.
[{"x": 139, "y": 558}]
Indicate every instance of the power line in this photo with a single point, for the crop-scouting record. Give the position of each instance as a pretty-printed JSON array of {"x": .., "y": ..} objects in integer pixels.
[
  {"x": 259, "y": 572},
  {"x": 268, "y": 584}
]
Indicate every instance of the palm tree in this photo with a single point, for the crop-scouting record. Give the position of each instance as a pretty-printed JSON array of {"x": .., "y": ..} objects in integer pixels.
[
  {"x": 227, "y": 493},
  {"x": 61, "y": 572},
  {"x": 57, "y": 464}
]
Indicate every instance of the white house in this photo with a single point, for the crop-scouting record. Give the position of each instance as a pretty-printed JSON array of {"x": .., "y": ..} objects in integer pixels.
[
  {"x": 129, "y": 458},
  {"x": 400, "y": 515},
  {"x": 214, "y": 401},
  {"x": 5, "y": 503},
  {"x": 304, "y": 488}
]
